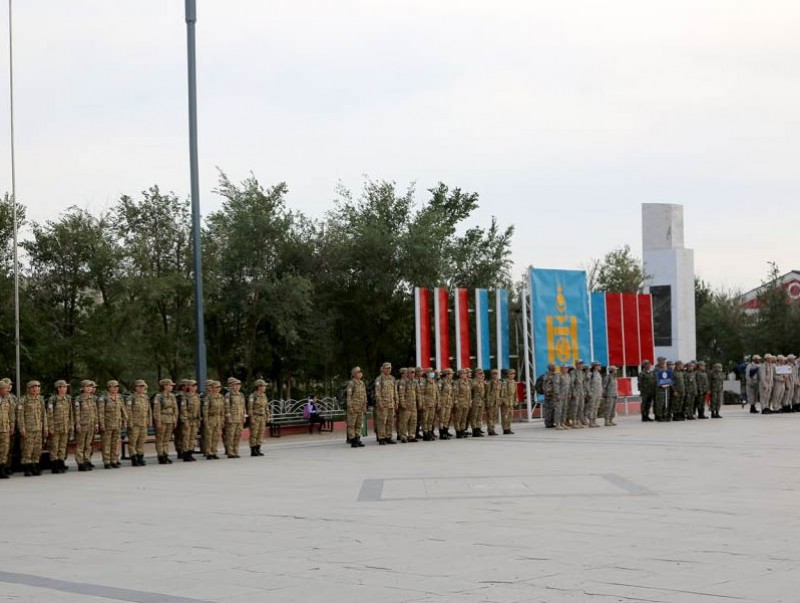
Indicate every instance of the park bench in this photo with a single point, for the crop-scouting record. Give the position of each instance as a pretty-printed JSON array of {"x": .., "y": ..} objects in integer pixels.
[{"x": 289, "y": 413}]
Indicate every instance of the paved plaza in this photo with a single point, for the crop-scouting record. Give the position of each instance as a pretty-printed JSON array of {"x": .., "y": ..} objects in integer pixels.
[{"x": 676, "y": 512}]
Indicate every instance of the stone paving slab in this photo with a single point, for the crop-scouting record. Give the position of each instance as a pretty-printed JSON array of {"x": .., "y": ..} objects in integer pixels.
[{"x": 680, "y": 512}]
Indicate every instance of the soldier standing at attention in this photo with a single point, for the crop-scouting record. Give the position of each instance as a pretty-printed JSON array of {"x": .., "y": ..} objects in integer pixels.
[
  {"x": 177, "y": 439},
  {"x": 385, "y": 403},
  {"x": 139, "y": 420},
  {"x": 595, "y": 388},
  {"x": 418, "y": 379},
  {"x": 407, "y": 401},
  {"x": 661, "y": 403},
  {"x": 678, "y": 391},
  {"x": 113, "y": 418},
  {"x": 647, "y": 388},
  {"x": 493, "y": 392},
  {"x": 717, "y": 382},
  {"x": 429, "y": 398},
  {"x": 444, "y": 410},
  {"x": 8, "y": 414},
  {"x": 778, "y": 385},
  {"x": 786, "y": 405},
  {"x": 766, "y": 376},
  {"x": 165, "y": 417},
  {"x": 258, "y": 411},
  {"x": 562, "y": 397},
  {"x": 234, "y": 418},
  {"x": 509, "y": 400},
  {"x": 86, "y": 424},
  {"x": 32, "y": 424},
  {"x": 213, "y": 417},
  {"x": 356, "y": 407},
  {"x": 610, "y": 394},
  {"x": 474, "y": 418},
  {"x": 691, "y": 391},
  {"x": 61, "y": 422},
  {"x": 751, "y": 382},
  {"x": 577, "y": 393},
  {"x": 13, "y": 400},
  {"x": 462, "y": 400},
  {"x": 701, "y": 379},
  {"x": 188, "y": 420}
]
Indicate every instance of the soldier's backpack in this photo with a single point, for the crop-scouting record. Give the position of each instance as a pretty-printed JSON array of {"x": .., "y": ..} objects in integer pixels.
[{"x": 539, "y": 385}]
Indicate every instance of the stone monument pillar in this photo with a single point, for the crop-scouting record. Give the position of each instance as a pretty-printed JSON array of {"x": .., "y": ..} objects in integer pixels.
[{"x": 670, "y": 268}]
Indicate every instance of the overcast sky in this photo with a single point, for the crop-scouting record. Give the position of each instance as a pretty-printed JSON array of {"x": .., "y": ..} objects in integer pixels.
[{"x": 564, "y": 116}]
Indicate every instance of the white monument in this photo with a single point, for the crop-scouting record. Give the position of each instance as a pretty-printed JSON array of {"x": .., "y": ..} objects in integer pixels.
[{"x": 670, "y": 268}]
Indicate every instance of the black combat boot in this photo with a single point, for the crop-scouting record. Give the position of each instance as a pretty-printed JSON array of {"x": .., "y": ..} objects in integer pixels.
[
  {"x": 54, "y": 467},
  {"x": 106, "y": 465},
  {"x": 27, "y": 468},
  {"x": 3, "y": 474},
  {"x": 134, "y": 460},
  {"x": 37, "y": 470},
  {"x": 477, "y": 433},
  {"x": 426, "y": 437},
  {"x": 253, "y": 451},
  {"x": 353, "y": 443},
  {"x": 142, "y": 462}
]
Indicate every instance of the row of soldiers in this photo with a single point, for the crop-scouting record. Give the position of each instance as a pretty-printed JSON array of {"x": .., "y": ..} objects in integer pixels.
[
  {"x": 675, "y": 391},
  {"x": 420, "y": 402},
  {"x": 773, "y": 383},
  {"x": 63, "y": 418},
  {"x": 575, "y": 394}
]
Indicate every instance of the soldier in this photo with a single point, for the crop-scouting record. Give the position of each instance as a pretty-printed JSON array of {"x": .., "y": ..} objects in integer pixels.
[
  {"x": 13, "y": 401},
  {"x": 564, "y": 383},
  {"x": 610, "y": 395},
  {"x": 86, "y": 424},
  {"x": 418, "y": 378},
  {"x": 429, "y": 397},
  {"x": 213, "y": 417},
  {"x": 165, "y": 417},
  {"x": 234, "y": 418},
  {"x": 796, "y": 395},
  {"x": 462, "y": 399},
  {"x": 508, "y": 400},
  {"x": 258, "y": 413},
  {"x": 717, "y": 382},
  {"x": 188, "y": 420},
  {"x": 701, "y": 379},
  {"x": 585, "y": 405},
  {"x": 661, "y": 404},
  {"x": 493, "y": 392},
  {"x": 8, "y": 414},
  {"x": 356, "y": 407},
  {"x": 113, "y": 417},
  {"x": 577, "y": 393},
  {"x": 778, "y": 385},
  {"x": 678, "y": 394},
  {"x": 32, "y": 425},
  {"x": 786, "y": 405},
  {"x": 691, "y": 391},
  {"x": 595, "y": 388},
  {"x": 766, "y": 376},
  {"x": 385, "y": 404},
  {"x": 177, "y": 438},
  {"x": 751, "y": 382},
  {"x": 444, "y": 410},
  {"x": 61, "y": 423},
  {"x": 474, "y": 418},
  {"x": 139, "y": 420},
  {"x": 647, "y": 389},
  {"x": 407, "y": 402}
]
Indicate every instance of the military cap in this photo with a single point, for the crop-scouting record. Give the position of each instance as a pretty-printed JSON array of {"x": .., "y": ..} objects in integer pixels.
[
  {"x": 354, "y": 370},
  {"x": 511, "y": 372},
  {"x": 596, "y": 363},
  {"x": 585, "y": 367},
  {"x": 660, "y": 358},
  {"x": 612, "y": 368},
  {"x": 139, "y": 382},
  {"x": 495, "y": 372},
  {"x": 418, "y": 369},
  {"x": 88, "y": 383},
  {"x": 210, "y": 383},
  {"x": 756, "y": 357},
  {"x": 479, "y": 371},
  {"x": 670, "y": 363},
  {"x": 403, "y": 371},
  {"x": 781, "y": 357},
  {"x": 233, "y": 380},
  {"x": 165, "y": 382},
  {"x": 61, "y": 383},
  {"x": 718, "y": 366},
  {"x": 33, "y": 383},
  {"x": 791, "y": 357},
  {"x": 260, "y": 382},
  {"x": 112, "y": 383},
  {"x": 645, "y": 362},
  {"x": 579, "y": 361},
  {"x": 386, "y": 365},
  {"x": 189, "y": 382},
  {"x": 768, "y": 356},
  {"x": 4, "y": 384},
  {"x": 701, "y": 363},
  {"x": 463, "y": 371},
  {"x": 690, "y": 363},
  {"x": 447, "y": 371}
]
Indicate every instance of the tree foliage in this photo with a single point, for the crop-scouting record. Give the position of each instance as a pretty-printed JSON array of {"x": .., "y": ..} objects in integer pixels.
[{"x": 618, "y": 272}]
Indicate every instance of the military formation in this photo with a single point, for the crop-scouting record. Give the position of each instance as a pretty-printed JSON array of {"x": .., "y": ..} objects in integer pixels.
[
  {"x": 576, "y": 395},
  {"x": 772, "y": 384},
  {"x": 677, "y": 391},
  {"x": 422, "y": 405},
  {"x": 182, "y": 417}
]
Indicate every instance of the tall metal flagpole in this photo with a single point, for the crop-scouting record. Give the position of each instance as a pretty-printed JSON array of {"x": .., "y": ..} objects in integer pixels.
[
  {"x": 200, "y": 354},
  {"x": 14, "y": 199}
]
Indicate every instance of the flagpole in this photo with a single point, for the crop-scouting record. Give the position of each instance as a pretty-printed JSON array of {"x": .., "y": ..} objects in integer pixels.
[
  {"x": 14, "y": 199},
  {"x": 528, "y": 393}
]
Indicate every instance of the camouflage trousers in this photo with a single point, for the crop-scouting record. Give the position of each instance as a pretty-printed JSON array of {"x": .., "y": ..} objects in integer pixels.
[
  {"x": 83, "y": 444},
  {"x": 764, "y": 395},
  {"x": 647, "y": 403},
  {"x": 187, "y": 436},
  {"x": 163, "y": 432},
  {"x": 212, "y": 432},
  {"x": 611, "y": 408},
  {"x": 32, "y": 447},
  {"x": 57, "y": 444},
  {"x": 676, "y": 403},
  {"x": 716, "y": 401},
  {"x": 576, "y": 409},
  {"x": 475, "y": 420},
  {"x": 751, "y": 389},
  {"x": 232, "y": 436},
  {"x": 491, "y": 416},
  {"x": 257, "y": 425},
  {"x": 507, "y": 412},
  {"x": 460, "y": 419},
  {"x": 700, "y": 404},
  {"x": 787, "y": 396},
  {"x": 110, "y": 440},
  {"x": 662, "y": 405},
  {"x": 355, "y": 420},
  {"x": 590, "y": 409},
  {"x": 776, "y": 399},
  {"x": 559, "y": 411},
  {"x": 137, "y": 436},
  {"x": 5, "y": 447},
  {"x": 428, "y": 417},
  {"x": 407, "y": 424},
  {"x": 444, "y": 412},
  {"x": 384, "y": 418},
  {"x": 688, "y": 405}
]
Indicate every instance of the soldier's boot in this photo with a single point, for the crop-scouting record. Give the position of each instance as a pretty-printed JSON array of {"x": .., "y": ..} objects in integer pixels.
[
  {"x": 3, "y": 474},
  {"x": 492, "y": 432},
  {"x": 382, "y": 441},
  {"x": 36, "y": 469},
  {"x": 353, "y": 443},
  {"x": 359, "y": 443},
  {"x": 426, "y": 437},
  {"x": 560, "y": 427},
  {"x": 142, "y": 462},
  {"x": 606, "y": 423},
  {"x": 106, "y": 465},
  {"x": 134, "y": 461},
  {"x": 611, "y": 422},
  {"x": 477, "y": 433},
  {"x": 27, "y": 468},
  {"x": 253, "y": 451},
  {"x": 593, "y": 423},
  {"x": 459, "y": 434},
  {"x": 753, "y": 410},
  {"x": 262, "y": 454}
]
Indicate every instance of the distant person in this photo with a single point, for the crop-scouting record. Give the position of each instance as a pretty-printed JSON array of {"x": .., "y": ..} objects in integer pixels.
[{"x": 311, "y": 412}]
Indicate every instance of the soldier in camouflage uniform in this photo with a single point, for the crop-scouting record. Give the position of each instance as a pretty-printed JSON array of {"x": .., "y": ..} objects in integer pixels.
[
  {"x": 356, "y": 407},
  {"x": 86, "y": 424},
  {"x": 61, "y": 422},
  {"x": 462, "y": 400},
  {"x": 662, "y": 401},
  {"x": 610, "y": 395},
  {"x": 139, "y": 421},
  {"x": 563, "y": 384},
  {"x": 234, "y": 418},
  {"x": 678, "y": 393},
  {"x": 751, "y": 382},
  {"x": 786, "y": 405},
  {"x": 32, "y": 424},
  {"x": 407, "y": 402},
  {"x": 113, "y": 418},
  {"x": 444, "y": 409},
  {"x": 647, "y": 389},
  {"x": 508, "y": 400},
  {"x": 429, "y": 397},
  {"x": 690, "y": 378},
  {"x": 716, "y": 382},
  {"x": 778, "y": 385},
  {"x": 385, "y": 404},
  {"x": 576, "y": 400},
  {"x": 418, "y": 379},
  {"x": 549, "y": 389},
  {"x": 213, "y": 418},
  {"x": 13, "y": 401},
  {"x": 474, "y": 419},
  {"x": 493, "y": 391},
  {"x": 8, "y": 414},
  {"x": 766, "y": 377},
  {"x": 258, "y": 413},
  {"x": 701, "y": 381},
  {"x": 595, "y": 390},
  {"x": 188, "y": 420},
  {"x": 165, "y": 417}
]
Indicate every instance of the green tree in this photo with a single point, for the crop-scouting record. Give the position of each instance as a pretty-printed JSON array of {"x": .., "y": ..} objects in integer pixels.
[{"x": 620, "y": 272}]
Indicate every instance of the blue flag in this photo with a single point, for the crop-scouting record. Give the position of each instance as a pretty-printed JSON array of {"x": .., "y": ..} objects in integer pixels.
[{"x": 560, "y": 317}]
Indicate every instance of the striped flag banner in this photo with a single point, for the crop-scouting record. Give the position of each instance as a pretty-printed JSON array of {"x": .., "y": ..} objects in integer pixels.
[
  {"x": 624, "y": 322},
  {"x": 422, "y": 325},
  {"x": 462, "y": 329},
  {"x": 440, "y": 307},
  {"x": 503, "y": 336},
  {"x": 482, "y": 328},
  {"x": 599, "y": 333}
]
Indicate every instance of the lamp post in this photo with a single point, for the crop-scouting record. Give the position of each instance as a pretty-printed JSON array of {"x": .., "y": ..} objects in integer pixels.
[{"x": 200, "y": 350}]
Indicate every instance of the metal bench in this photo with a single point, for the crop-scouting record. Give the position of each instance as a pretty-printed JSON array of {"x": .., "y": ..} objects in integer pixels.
[{"x": 289, "y": 413}]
